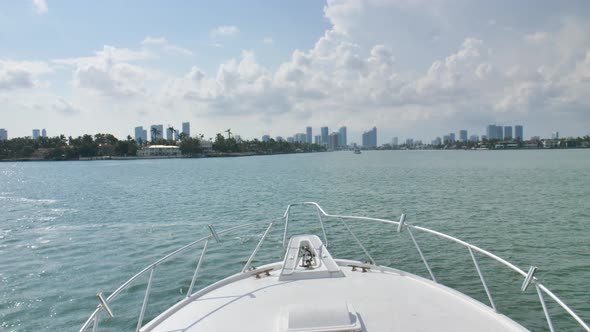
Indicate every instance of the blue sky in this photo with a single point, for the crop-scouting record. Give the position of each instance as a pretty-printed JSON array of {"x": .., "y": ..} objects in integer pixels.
[{"x": 415, "y": 69}]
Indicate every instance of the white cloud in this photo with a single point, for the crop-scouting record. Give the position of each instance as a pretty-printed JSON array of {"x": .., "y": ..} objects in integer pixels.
[
  {"x": 64, "y": 107},
  {"x": 225, "y": 31},
  {"x": 109, "y": 73},
  {"x": 173, "y": 49},
  {"x": 21, "y": 74},
  {"x": 40, "y": 6},
  {"x": 154, "y": 40},
  {"x": 161, "y": 42},
  {"x": 110, "y": 54},
  {"x": 537, "y": 37},
  {"x": 268, "y": 41}
]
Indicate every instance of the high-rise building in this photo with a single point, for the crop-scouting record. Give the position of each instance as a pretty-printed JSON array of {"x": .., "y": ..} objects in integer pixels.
[
  {"x": 555, "y": 135},
  {"x": 463, "y": 135},
  {"x": 265, "y": 138},
  {"x": 308, "y": 135},
  {"x": 334, "y": 141},
  {"x": 499, "y": 132},
  {"x": 43, "y": 132},
  {"x": 186, "y": 128},
  {"x": 279, "y": 139},
  {"x": 491, "y": 131},
  {"x": 518, "y": 133},
  {"x": 474, "y": 138},
  {"x": 452, "y": 137},
  {"x": 437, "y": 141},
  {"x": 290, "y": 139},
  {"x": 370, "y": 138},
  {"x": 3, "y": 134},
  {"x": 317, "y": 139},
  {"x": 157, "y": 132},
  {"x": 325, "y": 138},
  {"x": 170, "y": 133},
  {"x": 508, "y": 132},
  {"x": 139, "y": 134},
  {"x": 36, "y": 133},
  {"x": 342, "y": 136},
  {"x": 394, "y": 141},
  {"x": 300, "y": 138},
  {"x": 446, "y": 139}
]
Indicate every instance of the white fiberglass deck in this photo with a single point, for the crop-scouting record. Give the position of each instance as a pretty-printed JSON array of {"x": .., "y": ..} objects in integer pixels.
[
  {"x": 387, "y": 300},
  {"x": 310, "y": 291}
]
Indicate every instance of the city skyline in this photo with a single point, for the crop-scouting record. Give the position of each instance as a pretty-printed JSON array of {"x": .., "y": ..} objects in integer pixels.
[
  {"x": 278, "y": 66},
  {"x": 499, "y": 132}
]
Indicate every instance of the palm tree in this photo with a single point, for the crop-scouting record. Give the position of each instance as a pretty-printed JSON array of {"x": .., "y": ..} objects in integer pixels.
[
  {"x": 171, "y": 131},
  {"x": 155, "y": 133},
  {"x": 228, "y": 131}
]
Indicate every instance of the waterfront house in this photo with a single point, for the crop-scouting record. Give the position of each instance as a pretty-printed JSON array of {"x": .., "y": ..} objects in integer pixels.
[{"x": 159, "y": 150}]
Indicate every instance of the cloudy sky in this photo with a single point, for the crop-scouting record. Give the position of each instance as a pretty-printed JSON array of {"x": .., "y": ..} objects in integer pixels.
[{"x": 413, "y": 68}]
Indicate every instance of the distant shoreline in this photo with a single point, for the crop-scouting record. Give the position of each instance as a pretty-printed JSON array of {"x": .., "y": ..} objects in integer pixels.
[{"x": 204, "y": 155}]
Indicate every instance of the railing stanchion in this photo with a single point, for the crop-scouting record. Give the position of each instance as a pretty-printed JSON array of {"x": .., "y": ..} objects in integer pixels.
[
  {"x": 286, "y": 227},
  {"x": 422, "y": 255},
  {"x": 483, "y": 281},
  {"x": 95, "y": 325},
  {"x": 358, "y": 242},
  {"x": 549, "y": 322},
  {"x": 323, "y": 229},
  {"x": 257, "y": 248},
  {"x": 145, "y": 300},
  {"x": 190, "y": 288}
]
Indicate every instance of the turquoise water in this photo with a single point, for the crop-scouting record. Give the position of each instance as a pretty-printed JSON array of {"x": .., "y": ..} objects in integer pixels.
[{"x": 71, "y": 229}]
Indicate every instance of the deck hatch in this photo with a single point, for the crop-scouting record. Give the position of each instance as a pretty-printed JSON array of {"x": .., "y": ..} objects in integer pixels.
[{"x": 327, "y": 317}]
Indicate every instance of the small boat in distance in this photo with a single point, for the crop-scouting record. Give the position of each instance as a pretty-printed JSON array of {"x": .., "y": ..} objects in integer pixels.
[
  {"x": 357, "y": 151},
  {"x": 311, "y": 290}
]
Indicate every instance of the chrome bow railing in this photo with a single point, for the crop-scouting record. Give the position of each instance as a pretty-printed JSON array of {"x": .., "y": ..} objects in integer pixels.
[{"x": 529, "y": 277}]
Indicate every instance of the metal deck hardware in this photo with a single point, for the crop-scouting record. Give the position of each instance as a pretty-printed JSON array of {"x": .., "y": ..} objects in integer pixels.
[
  {"x": 529, "y": 278},
  {"x": 266, "y": 272},
  {"x": 104, "y": 304},
  {"x": 402, "y": 222},
  {"x": 214, "y": 233},
  {"x": 364, "y": 268}
]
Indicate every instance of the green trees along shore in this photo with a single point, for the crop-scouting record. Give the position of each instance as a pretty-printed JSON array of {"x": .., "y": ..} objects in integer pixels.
[{"x": 107, "y": 145}]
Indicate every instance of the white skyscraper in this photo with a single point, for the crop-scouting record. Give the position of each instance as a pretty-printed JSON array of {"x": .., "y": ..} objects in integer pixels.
[
  {"x": 3, "y": 134},
  {"x": 342, "y": 136},
  {"x": 140, "y": 135},
  {"x": 508, "y": 132},
  {"x": 308, "y": 135},
  {"x": 186, "y": 128},
  {"x": 36, "y": 133},
  {"x": 463, "y": 135},
  {"x": 43, "y": 133},
  {"x": 518, "y": 132}
]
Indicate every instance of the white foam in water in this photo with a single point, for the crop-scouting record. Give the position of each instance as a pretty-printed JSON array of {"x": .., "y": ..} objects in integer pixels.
[{"x": 28, "y": 200}]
